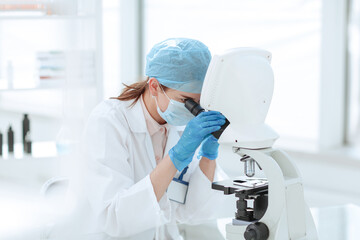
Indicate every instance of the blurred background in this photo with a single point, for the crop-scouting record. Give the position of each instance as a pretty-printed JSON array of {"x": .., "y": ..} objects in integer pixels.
[{"x": 59, "y": 58}]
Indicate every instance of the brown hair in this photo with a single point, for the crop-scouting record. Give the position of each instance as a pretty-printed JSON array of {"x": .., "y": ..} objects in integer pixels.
[{"x": 134, "y": 91}]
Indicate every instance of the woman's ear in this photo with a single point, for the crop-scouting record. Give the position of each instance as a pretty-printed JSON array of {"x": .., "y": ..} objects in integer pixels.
[{"x": 153, "y": 86}]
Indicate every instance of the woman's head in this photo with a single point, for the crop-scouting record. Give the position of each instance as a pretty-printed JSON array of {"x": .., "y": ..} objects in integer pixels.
[
  {"x": 180, "y": 64},
  {"x": 175, "y": 70}
]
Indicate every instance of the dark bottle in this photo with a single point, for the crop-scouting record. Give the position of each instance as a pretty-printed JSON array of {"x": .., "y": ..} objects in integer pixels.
[
  {"x": 28, "y": 143},
  {"x": 10, "y": 134},
  {"x": 1, "y": 143},
  {"x": 25, "y": 129}
]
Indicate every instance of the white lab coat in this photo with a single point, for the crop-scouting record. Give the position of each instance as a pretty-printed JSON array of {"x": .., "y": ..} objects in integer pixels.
[{"x": 119, "y": 153}]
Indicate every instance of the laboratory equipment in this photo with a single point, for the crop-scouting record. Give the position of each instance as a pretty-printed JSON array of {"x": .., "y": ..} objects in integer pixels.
[
  {"x": 239, "y": 83},
  {"x": 28, "y": 143},
  {"x": 196, "y": 109},
  {"x": 10, "y": 135},
  {"x": 25, "y": 130},
  {"x": 1, "y": 143}
]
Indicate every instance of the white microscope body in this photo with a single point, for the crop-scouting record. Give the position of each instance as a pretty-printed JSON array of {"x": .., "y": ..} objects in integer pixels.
[{"x": 239, "y": 84}]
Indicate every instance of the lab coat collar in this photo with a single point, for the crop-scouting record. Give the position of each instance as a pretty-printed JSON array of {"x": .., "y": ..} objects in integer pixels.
[
  {"x": 136, "y": 120},
  {"x": 135, "y": 117}
]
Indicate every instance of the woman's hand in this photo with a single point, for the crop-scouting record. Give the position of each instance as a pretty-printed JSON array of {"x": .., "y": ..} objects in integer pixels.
[
  {"x": 209, "y": 148},
  {"x": 195, "y": 132}
]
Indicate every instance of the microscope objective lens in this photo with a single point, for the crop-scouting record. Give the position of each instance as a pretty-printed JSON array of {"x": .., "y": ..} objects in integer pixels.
[{"x": 249, "y": 168}]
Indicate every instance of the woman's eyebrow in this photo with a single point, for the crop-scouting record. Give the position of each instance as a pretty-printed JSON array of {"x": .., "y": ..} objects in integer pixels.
[{"x": 186, "y": 97}]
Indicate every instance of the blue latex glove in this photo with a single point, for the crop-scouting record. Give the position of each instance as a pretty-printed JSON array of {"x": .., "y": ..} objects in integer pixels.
[
  {"x": 209, "y": 148},
  {"x": 195, "y": 132}
]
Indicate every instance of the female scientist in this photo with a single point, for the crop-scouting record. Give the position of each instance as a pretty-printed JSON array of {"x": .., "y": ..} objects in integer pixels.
[{"x": 146, "y": 174}]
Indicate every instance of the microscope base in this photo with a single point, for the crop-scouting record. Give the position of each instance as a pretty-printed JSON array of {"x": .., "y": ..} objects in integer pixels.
[
  {"x": 287, "y": 216},
  {"x": 236, "y": 232}
]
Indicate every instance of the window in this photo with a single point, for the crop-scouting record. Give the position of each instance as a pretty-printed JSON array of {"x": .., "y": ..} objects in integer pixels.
[
  {"x": 353, "y": 130},
  {"x": 290, "y": 30},
  {"x": 111, "y": 47}
]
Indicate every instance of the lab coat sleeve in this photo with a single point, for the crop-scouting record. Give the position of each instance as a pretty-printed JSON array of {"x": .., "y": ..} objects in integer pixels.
[
  {"x": 121, "y": 207},
  {"x": 202, "y": 202}
]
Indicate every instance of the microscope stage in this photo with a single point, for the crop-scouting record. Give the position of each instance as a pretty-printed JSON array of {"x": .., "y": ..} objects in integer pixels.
[{"x": 241, "y": 184}]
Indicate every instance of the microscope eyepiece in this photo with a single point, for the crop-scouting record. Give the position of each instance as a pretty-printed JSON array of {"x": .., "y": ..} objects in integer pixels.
[
  {"x": 196, "y": 109},
  {"x": 193, "y": 107}
]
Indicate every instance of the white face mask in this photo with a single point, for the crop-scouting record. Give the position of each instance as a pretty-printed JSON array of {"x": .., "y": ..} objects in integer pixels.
[{"x": 175, "y": 114}]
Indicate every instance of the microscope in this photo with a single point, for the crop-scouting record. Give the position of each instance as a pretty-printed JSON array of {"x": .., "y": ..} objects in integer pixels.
[{"x": 239, "y": 83}]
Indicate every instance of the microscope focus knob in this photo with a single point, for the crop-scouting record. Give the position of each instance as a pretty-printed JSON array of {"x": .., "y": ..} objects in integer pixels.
[{"x": 256, "y": 231}]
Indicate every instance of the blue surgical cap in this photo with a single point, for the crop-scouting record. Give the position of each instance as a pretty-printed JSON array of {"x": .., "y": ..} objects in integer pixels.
[{"x": 179, "y": 63}]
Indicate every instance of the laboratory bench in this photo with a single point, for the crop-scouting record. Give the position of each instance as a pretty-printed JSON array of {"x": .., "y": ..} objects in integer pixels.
[{"x": 333, "y": 223}]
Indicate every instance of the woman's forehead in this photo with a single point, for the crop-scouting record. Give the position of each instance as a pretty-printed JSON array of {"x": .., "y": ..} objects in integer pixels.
[{"x": 185, "y": 94}]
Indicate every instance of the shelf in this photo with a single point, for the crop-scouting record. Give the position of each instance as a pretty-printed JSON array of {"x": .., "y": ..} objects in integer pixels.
[
  {"x": 42, "y": 164},
  {"x": 55, "y": 17},
  {"x": 59, "y": 87},
  {"x": 53, "y": 111},
  {"x": 39, "y": 150},
  {"x": 72, "y": 28},
  {"x": 51, "y": 85}
]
